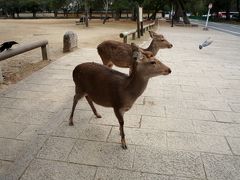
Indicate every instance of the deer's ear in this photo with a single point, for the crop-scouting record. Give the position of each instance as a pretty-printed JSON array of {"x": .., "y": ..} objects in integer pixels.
[
  {"x": 152, "y": 34},
  {"x": 135, "y": 47}
]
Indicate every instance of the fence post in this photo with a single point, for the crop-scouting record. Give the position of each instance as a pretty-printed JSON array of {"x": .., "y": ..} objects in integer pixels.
[
  {"x": 44, "y": 52},
  {"x": 125, "y": 39},
  {"x": 1, "y": 75},
  {"x": 133, "y": 36}
]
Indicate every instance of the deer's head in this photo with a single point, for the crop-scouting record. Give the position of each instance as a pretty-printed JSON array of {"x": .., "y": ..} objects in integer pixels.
[
  {"x": 147, "y": 67},
  {"x": 159, "y": 40}
]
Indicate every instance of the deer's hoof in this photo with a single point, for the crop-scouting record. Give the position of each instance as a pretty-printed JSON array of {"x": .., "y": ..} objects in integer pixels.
[
  {"x": 98, "y": 116},
  {"x": 124, "y": 146},
  {"x": 71, "y": 124}
]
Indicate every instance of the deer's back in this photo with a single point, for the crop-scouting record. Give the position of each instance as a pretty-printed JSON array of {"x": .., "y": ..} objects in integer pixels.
[{"x": 117, "y": 52}]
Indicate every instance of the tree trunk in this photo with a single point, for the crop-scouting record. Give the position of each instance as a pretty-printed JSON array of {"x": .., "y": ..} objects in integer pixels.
[
  {"x": 180, "y": 12},
  {"x": 134, "y": 14},
  {"x": 238, "y": 9},
  {"x": 228, "y": 14},
  {"x": 34, "y": 14},
  {"x": 86, "y": 13},
  {"x": 55, "y": 13}
]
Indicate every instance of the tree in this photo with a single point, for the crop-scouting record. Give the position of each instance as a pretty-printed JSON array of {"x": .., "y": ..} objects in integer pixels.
[
  {"x": 55, "y": 5},
  {"x": 118, "y": 6},
  {"x": 180, "y": 11},
  {"x": 10, "y": 7}
]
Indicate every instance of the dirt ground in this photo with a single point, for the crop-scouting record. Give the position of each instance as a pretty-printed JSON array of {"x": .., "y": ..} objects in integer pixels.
[{"x": 31, "y": 30}]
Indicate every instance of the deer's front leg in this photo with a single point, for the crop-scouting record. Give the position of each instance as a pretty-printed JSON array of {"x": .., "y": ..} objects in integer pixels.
[{"x": 119, "y": 114}]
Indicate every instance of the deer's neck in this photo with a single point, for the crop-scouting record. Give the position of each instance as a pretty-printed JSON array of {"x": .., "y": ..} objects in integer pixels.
[
  {"x": 153, "y": 47},
  {"x": 136, "y": 85}
]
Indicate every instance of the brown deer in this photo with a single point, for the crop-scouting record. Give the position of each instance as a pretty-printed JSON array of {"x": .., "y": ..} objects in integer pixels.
[
  {"x": 111, "y": 88},
  {"x": 119, "y": 54}
]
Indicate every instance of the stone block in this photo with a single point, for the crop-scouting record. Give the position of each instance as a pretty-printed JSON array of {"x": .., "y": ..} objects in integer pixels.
[
  {"x": 197, "y": 142},
  {"x": 167, "y": 124},
  {"x": 10, "y": 149},
  {"x": 117, "y": 174},
  {"x": 56, "y": 148},
  {"x": 235, "y": 145},
  {"x": 4, "y": 166},
  {"x": 83, "y": 131},
  {"x": 221, "y": 167},
  {"x": 70, "y": 40},
  {"x": 102, "y": 154},
  {"x": 217, "y": 128},
  {"x": 43, "y": 169},
  {"x": 11, "y": 130},
  {"x": 177, "y": 163}
]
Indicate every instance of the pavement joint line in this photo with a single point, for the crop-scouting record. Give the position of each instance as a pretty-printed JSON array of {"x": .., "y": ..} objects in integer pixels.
[
  {"x": 134, "y": 156},
  {"x": 203, "y": 165},
  {"x": 140, "y": 122},
  {"x": 12, "y": 139},
  {"x": 229, "y": 146},
  {"x": 6, "y": 160},
  {"x": 72, "y": 149},
  {"x": 109, "y": 134}
]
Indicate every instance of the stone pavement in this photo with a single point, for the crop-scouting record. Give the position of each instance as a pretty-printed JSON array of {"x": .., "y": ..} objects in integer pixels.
[{"x": 185, "y": 125}]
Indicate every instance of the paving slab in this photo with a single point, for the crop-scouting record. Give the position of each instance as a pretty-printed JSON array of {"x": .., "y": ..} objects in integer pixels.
[
  {"x": 4, "y": 166},
  {"x": 83, "y": 131},
  {"x": 230, "y": 117},
  {"x": 10, "y": 148},
  {"x": 167, "y": 124},
  {"x": 221, "y": 167},
  {"x": 155, "y": 160},
  {"x": 108, "y": 173},
  {"x": 234, "y": 144},
  {"x": 56, "y": 148},
  {"x": 102, "y": 154},
  {"x": 43, "y": 169},
  {"x": 11, "y": 130},
  {"x": 197, "y": 142},
  {"x": 217, "y": 128}
]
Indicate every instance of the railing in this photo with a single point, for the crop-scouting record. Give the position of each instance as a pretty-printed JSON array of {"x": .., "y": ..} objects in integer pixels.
[
  {"x": 24, "y": 48},
  {"x": 124, "y": 35}
]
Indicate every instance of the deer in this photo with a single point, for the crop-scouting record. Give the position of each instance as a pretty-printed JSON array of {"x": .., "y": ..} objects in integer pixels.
[
  {"x": 119, "y": 54},
  {"x": 110, "y": 88}
]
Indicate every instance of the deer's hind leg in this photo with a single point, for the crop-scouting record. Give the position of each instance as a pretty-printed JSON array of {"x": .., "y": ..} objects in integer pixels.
[
  {"x": 78, "y": 95},
  {"x": 93, "y": 107}
]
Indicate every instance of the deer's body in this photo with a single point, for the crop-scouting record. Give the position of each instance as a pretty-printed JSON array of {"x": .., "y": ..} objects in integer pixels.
[
  {"x": 114, "y": 89},
  {"x": 119, "y": 54},
  {"x": 111, "y": 88}
]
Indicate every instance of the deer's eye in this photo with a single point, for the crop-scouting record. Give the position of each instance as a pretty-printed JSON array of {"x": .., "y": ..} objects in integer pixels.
[{"x": 152, "y": 62}]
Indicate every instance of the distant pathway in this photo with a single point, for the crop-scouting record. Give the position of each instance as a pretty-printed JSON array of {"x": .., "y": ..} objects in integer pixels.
[{"x": 228, "y": 28}]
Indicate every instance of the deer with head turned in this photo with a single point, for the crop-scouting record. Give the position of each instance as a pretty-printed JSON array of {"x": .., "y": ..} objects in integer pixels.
[
  {"x": 111, "y": 88},
  {"x": 119, "y": 54}
]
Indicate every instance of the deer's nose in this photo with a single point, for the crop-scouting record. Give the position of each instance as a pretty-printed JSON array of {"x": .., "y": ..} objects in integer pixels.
[
  {"x": 170, "y": 46},
  {"x": 169, "y": 71}
]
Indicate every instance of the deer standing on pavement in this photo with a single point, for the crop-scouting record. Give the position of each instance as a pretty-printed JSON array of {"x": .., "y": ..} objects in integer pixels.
[
  {"x": 119, "y": 54},
  {"x": 111, "y": 88}
]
